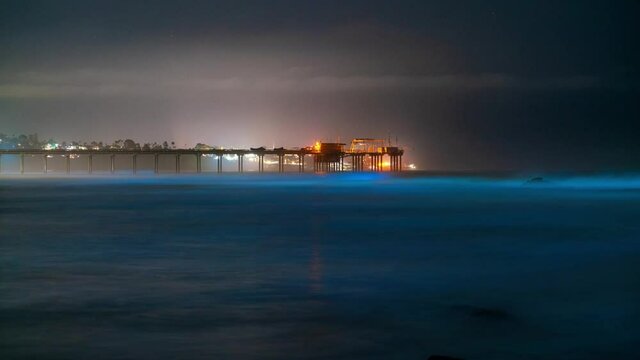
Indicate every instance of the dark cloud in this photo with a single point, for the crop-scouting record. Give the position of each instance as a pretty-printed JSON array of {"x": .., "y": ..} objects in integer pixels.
[{"x": 464, "y": 85}]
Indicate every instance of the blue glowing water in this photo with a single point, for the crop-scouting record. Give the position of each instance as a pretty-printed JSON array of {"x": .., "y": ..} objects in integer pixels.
[{"x": 346, "y": 266}]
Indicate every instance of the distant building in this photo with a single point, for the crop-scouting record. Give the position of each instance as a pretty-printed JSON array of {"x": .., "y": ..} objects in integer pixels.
[{"x": 201, "y": 146}]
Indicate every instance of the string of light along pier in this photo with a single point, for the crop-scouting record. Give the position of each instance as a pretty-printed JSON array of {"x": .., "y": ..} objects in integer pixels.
[{"x": 362, "y": 155}]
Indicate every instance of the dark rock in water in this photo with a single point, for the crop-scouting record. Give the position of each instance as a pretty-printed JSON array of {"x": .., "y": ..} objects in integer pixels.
[
  {"x": 484, "y": 313},
  {"x": 443, "y": 357},
  {"x": 535, "y": 180},
  {"x": 494, "y": 314}
]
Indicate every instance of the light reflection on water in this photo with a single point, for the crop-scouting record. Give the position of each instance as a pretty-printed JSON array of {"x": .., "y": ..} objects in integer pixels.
[{"x": 342, "y": 266}]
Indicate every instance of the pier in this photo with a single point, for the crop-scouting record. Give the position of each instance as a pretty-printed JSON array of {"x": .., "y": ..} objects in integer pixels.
[{"x": 325, "y": 157}]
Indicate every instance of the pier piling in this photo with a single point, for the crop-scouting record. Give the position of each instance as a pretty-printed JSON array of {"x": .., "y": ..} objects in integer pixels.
[
  {"x": 134, "y": 164},
  {"x": 331, "y": 159}
]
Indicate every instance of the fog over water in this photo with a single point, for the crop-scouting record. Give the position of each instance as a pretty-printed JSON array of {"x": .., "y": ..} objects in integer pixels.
[
  {"x": 462, "y": 85},
  {"x": 344, "y": 266}
]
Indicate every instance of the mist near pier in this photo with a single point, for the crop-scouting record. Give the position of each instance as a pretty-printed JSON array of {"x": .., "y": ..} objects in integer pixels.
[
  {"x": 342, "y": 266},
  {"x": 465, "y": 85}
]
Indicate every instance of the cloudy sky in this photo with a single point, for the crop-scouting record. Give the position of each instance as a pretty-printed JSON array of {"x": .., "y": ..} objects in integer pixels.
[{"x": 463, "y": 85}]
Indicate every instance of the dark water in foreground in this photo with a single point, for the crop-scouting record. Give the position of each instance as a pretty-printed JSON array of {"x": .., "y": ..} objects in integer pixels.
[{"x": 310, "y": 267}]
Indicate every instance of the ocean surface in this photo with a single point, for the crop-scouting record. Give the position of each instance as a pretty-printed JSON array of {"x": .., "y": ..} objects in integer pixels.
[{"x": 344, "y": 266}]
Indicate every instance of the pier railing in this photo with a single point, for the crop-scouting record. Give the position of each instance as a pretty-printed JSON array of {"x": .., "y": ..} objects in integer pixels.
[{"x": 322, "y": 161}]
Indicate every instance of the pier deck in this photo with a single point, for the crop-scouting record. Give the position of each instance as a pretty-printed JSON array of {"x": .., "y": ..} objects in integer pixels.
[{"x": 323, "y": 160}]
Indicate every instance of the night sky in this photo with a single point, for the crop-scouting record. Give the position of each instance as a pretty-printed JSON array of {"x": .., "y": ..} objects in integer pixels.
[{"x": 463, "y": 85}]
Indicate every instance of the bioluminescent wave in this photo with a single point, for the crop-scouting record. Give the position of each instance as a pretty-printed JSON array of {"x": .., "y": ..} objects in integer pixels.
[{"x": 300, "y": 266}]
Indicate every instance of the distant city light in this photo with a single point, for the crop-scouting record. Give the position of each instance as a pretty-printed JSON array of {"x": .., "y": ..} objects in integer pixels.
[{"x": 412, "y": 166}]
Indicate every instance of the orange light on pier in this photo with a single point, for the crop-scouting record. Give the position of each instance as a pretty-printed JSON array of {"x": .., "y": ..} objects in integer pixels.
[{"x": 381, "y": 165}]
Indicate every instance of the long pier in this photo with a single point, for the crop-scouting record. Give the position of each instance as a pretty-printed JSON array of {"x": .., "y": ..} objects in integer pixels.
[{"x": 329, "y": 160}]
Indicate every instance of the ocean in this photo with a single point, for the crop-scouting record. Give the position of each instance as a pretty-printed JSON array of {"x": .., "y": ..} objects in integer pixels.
[{"x": 301, "y": 266}]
